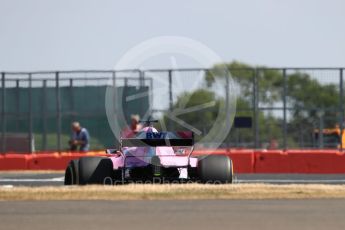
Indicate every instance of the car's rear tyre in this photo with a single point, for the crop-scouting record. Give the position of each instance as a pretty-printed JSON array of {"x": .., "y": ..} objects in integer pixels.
[
  {"x": 95, "y": 170},
  {"x": 215, "y": 169},
  {"x": 72, "y": 173}
]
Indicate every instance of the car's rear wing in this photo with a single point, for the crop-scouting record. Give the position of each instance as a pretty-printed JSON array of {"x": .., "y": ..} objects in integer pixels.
[{"x": 155, "y": 139}]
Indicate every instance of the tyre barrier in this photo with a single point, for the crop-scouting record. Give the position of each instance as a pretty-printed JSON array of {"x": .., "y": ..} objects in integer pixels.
[{"x": 244, "y": 160}]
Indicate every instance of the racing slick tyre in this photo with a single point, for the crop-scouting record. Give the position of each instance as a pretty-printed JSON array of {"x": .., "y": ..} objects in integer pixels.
[
  {"x": 95, "y": 170},
  {"x": 215, "y": 169},
  {"x": 71, "y": 173}
]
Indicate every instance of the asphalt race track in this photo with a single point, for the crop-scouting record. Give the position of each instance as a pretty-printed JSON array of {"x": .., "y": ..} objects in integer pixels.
[
  {"x": 56, "y": 179},
  {"x": 221, "y": 214},
  {"x": 31, "y": 179},
  {"x": 314, "y": 214}
]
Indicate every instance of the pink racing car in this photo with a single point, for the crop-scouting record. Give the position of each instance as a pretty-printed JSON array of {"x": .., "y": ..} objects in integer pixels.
[{"x": 151, "y": 156}]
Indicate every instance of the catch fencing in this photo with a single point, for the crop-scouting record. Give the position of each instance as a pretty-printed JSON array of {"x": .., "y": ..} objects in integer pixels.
[{"x": 286, "y": 105}]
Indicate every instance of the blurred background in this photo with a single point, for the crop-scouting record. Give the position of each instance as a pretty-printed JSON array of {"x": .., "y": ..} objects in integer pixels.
[
  {"x": 276, "y": 108},
  {"x": 57, "y": 59}
]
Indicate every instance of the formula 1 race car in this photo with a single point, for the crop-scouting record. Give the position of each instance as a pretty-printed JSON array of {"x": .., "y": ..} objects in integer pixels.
[{"x": 151, "y": 156}]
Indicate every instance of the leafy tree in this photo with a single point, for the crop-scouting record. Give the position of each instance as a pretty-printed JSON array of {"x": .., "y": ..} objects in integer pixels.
[
  {"x": 201, "y": 119},
  {"x": 305, "y": 93},
  {"x": 270, "y": 81},
  {"x": 306, "y": 98}
]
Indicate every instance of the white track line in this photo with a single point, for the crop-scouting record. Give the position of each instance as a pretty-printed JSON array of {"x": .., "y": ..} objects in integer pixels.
[
  {"x": 287, "y": 181},
  {"x": 57, "y": 179},
  {"x": 268, "y": 181}
]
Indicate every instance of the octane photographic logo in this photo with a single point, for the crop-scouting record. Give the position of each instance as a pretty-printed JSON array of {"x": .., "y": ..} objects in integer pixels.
[{"x": 223, "y": 89}]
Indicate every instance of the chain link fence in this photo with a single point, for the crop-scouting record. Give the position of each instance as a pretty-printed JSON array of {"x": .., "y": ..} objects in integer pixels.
[{"x": 289, "y": 107}]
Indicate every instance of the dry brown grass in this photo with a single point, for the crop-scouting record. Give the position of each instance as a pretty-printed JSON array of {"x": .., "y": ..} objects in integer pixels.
[{"x": 172, "y": 192}]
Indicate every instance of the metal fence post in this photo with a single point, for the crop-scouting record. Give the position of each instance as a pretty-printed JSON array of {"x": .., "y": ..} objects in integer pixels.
[
  {"x": 284, "y": 109},
  {"x": 141, "y": 78},
  {"x": 114, "y": 105},
  {"x": 321, "y": 127},
  {"x": 44, "y": 116},
  {"x": 151, "y": 94},
  {"x": 228, "y": 124},
  {"x": 150, "y": 90},
  {"x": 256, "y": 108},
  {"x": 71, "y": 97},
  {"x": 30, "y": 115},
  {"x": 17, "y": 105},
  {"x": 114, "y": 78},
  {"x": 3, "y": 114},
  {"x": 341, "y": 101},
  {"x": 170, "y": 90},
  {"x": 58, "y": 111},
  {"x": 114, "y": 93}
]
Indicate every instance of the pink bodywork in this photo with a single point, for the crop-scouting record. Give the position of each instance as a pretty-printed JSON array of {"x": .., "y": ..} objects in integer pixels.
[
  {"x": 140, "y": 156},
  {"x": 137, "y": 158}
]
